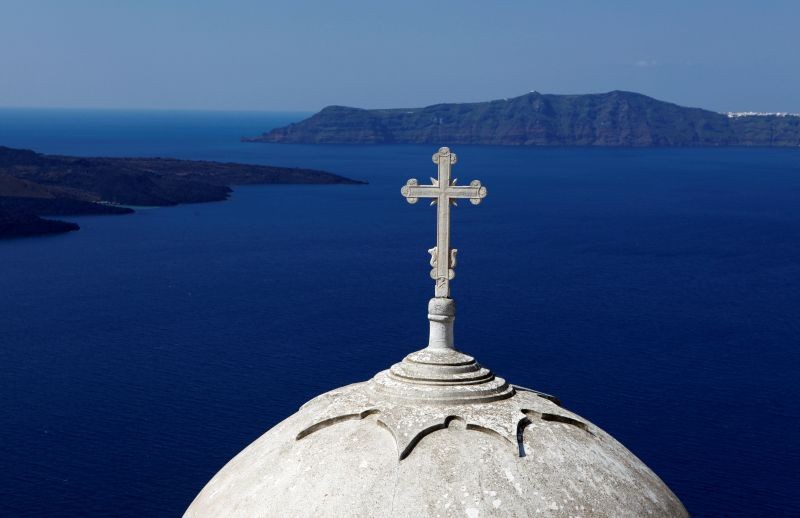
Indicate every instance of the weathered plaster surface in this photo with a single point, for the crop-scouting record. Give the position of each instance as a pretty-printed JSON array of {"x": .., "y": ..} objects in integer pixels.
[{"x": 342, "y": 454}]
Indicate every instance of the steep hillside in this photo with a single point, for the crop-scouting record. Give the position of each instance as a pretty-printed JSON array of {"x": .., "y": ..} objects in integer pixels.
[{"x": 610, "y": 119}]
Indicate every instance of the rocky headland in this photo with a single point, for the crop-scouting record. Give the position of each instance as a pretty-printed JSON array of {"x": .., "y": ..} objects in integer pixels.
[
  {"x": 610, "y": 119},
  {"x": 34, "y": 185}
]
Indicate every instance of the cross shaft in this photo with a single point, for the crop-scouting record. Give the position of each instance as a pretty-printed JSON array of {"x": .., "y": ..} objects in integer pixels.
[{"x": 444, "y": 191}]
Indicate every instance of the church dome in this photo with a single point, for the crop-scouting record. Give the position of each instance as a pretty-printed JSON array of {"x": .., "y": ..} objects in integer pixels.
[{"x": 437, "y": 434}]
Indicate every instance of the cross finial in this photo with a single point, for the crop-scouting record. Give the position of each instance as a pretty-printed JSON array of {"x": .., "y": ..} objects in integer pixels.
[{"x": 444, "y": 192}]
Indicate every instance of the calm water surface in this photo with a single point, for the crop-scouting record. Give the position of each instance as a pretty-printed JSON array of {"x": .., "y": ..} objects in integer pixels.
[{"x": 656, "y": 292}]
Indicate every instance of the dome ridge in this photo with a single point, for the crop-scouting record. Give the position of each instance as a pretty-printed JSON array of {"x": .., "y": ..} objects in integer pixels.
[{"x": 409, "y": 422}]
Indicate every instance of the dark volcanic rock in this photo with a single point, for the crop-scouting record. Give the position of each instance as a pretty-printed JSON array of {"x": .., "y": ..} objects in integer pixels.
[
  {"x": 20, "y": 225},
  {"x": 611, "y": 119},
  {"x": 33, "y": 184},
  {"x": 145, "y": 181},
  {"x": 57, "y": 206}
]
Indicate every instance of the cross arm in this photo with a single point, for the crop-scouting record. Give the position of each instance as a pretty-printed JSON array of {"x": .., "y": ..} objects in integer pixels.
[
  {"x": 474, "y": 191},
  {"x": 412, "y": 191}
]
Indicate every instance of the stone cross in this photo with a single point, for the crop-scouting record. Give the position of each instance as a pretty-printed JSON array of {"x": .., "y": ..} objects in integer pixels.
[{"x": 444, "y": 192}]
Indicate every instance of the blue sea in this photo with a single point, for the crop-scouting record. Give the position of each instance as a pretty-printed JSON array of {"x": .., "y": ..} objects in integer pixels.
[{"x": 655, "y": 291}]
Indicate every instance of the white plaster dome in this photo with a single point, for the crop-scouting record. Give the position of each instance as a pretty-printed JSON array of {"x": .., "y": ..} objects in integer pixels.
[{"x": 435, "y": 435}]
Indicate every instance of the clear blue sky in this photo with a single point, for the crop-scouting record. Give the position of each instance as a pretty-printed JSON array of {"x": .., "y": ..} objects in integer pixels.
[{"x": 303, "y": 55}]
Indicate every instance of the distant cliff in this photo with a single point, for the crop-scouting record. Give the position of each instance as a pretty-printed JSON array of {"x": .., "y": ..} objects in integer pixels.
[
  {"x": 33, "y": 184},
  {"x": 610, "y": 119}
]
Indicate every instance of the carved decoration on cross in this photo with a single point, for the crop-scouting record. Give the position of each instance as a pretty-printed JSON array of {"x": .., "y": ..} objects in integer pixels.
[{"x": 444, "y": 192}]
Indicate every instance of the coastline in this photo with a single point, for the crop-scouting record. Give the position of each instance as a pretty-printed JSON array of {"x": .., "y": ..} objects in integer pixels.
[{"x": 33, "y": 185}]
